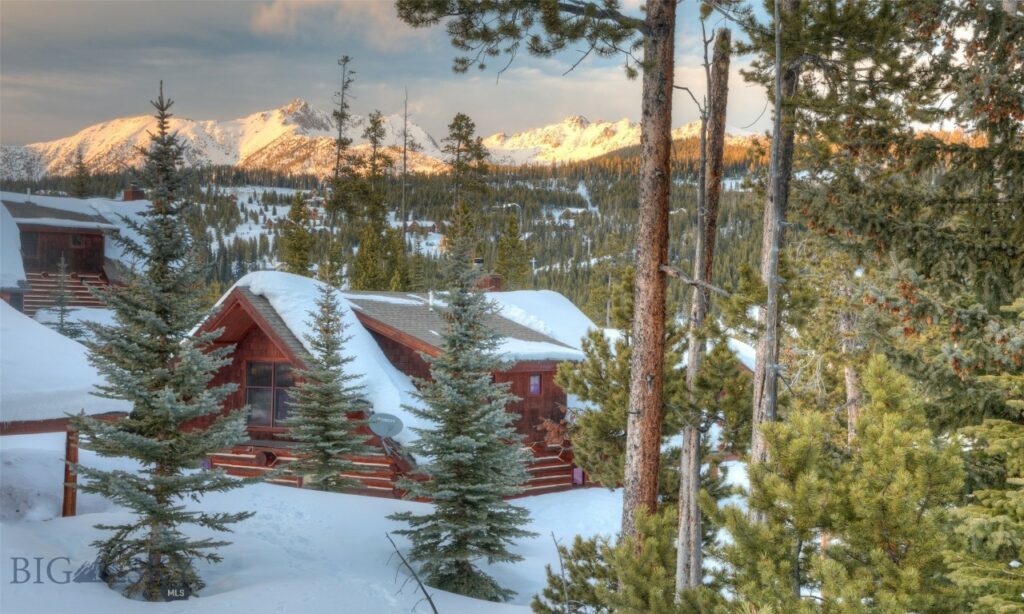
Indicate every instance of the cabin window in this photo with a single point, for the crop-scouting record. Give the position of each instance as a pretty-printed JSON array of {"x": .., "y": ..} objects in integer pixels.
[
  {"x": 534, "y": 385},
  {"x": 268, "y": 392},
  {"x": 77, "y": 240},
  {"x": 30, "y": 244}
]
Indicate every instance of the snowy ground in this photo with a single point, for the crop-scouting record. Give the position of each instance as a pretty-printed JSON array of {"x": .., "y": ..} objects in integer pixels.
[{"x": 303, "y": 551}]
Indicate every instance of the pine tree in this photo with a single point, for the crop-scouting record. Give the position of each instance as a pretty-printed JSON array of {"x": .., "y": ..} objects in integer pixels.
[
  {"x": 61, "y": 296},
  {"x": 321, "y": 415},
  {"x": 374, "y": 265},
  {"x": 80, "y": 176},
  {"x": 297, "y": 239},
  {"x": 466, "y": 157},
  {"x": 476, "y": 458},
  {"x": 893, "y": 527},
  {"x": 368, "y": 272},
  {"x": 151, "y": 360},
  {"x": 513, "y": 262},
  {"x": 986, "y": 565}
]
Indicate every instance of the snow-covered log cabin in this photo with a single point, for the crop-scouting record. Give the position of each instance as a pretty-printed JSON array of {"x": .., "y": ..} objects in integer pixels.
[
  {"x": 48, "y": 228},
  {"x": 264, "y": 315}
]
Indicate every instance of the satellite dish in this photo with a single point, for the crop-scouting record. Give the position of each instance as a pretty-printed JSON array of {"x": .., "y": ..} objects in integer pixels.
[{"x": 385, "y": 425}]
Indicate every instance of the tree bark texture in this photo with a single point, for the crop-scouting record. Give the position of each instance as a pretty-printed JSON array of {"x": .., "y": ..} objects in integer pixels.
[
  {"x": 643, "y": 435},
  {"x": 765, "y": 403},
  {"x": 689, "y": 560},
  {"x": 847, "y": 327}
]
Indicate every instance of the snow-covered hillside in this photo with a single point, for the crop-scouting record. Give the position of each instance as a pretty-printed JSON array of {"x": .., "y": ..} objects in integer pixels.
[
  {"x": 573, "y": 139},
  {"x": 295, "y": 138}
]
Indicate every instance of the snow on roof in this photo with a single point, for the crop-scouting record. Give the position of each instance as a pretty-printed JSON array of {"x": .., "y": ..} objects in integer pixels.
[
  {"x": 114, "y": 212},
  {"x": 385, "y": 387},
  {"x": 546, "y": 312},
  {"x": 44, "y": 375},
  {"x": 12, "y": 271},
  {"x": 524, "y": 337}
]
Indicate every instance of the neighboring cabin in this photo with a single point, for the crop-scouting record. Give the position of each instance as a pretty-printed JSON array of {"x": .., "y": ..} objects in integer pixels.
[
  {"x": 48, "y": 228},
  {"x": 265, "y": 317}
]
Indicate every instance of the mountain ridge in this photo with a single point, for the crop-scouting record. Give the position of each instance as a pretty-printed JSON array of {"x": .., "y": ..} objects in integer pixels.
[{"x": 298, "y": 138}]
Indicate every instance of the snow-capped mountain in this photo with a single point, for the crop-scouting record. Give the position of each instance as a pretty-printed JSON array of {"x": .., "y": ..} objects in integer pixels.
[
  {"x": 298, "y": 138},
  {"x": 573, "y": 139},
  {"x": 295, "y": 138}
]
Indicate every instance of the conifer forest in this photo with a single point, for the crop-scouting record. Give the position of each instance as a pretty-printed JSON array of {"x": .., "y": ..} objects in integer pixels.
[{"x": 764, "y": 359}]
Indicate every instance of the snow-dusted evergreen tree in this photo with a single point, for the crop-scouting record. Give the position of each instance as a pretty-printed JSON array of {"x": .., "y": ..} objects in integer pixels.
[
  {"x": 323, "y": 402},
  {"x": 476, "y": 457},
  {"x": 149, "y": 358},
  {"x": 61, "y": 296}
]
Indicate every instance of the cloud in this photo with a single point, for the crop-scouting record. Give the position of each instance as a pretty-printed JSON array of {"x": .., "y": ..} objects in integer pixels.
[{"x": 374, "y": 22}]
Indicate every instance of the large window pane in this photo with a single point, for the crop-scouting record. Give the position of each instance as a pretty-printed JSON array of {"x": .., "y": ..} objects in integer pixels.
[
  {"x": 282, "y": 406},
  {"x": 260, "y": 401},
  {"x": 260, "y": 374},
  {"x": 284, "y": 377}
]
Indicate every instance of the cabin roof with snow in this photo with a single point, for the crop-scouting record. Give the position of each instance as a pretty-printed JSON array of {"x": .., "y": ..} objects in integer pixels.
[
  {"x": 44, "y": 376},
  {"x": 36, "y": 214},
  {"x": 417, "y": 318}
]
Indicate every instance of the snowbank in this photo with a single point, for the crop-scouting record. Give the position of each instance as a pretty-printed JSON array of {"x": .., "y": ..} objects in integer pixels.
[
  {"x": 388, "y": 389},
  {"x": 303, "y": 551},
  {"x": 12, "y": 271},
  {"x": 44, "y": 375}
]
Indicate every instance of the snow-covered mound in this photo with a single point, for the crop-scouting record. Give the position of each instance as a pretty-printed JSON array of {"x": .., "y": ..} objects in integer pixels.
[
  {"x": 12, "y": 269},
  {"x": 43, "y": 374},
  {"x": 295, "y": 138},
  {"x": 303, "y": 551},
  {"x": 385, "y": 387}
]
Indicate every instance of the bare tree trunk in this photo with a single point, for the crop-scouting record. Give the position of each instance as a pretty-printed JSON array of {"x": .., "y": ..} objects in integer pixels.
[
  {"x": 643, "y": 433},
  {"x": 765, "y": 405},
  {"x": 847, "y": 326},
  {"x": 689, "y": 561}
]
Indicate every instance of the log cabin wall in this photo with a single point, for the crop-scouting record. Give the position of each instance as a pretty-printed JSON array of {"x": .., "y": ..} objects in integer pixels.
[
  {"x": 534, "y": 407},
  {"x": 255, "y": 346},
  {"x": 43, "y": 246},
  {"x": 404, "y": 358}
]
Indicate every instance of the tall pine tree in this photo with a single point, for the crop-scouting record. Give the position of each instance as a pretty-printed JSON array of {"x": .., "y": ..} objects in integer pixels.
[
  {"x": 149, "y": 358},
  {"x": 476, "y": 457}
]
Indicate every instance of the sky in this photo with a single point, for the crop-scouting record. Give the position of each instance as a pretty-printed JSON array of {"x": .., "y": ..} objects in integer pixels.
[{"x": 65, "y": 65}]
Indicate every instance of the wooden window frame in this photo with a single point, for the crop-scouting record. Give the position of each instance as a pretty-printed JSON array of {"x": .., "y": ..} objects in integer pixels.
[
  {"x": 540, "y": 385},
  {"x": 273, "y": 426}
]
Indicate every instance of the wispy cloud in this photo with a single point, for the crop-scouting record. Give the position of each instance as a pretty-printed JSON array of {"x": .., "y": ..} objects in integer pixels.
[{"x": 374, "y": 22}]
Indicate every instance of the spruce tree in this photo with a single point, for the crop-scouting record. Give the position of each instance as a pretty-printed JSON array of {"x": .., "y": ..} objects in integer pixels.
[
  {"x": 297, "y": 239},
  {"x": 150, "y": 359},
  {"x": 476, "y": 458},
  {"x": 80, "y": 176},
  {"x": 324, "y": 403},
  {"x": 61, "y": 296},
  {"x": 513, "y": 262}
]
